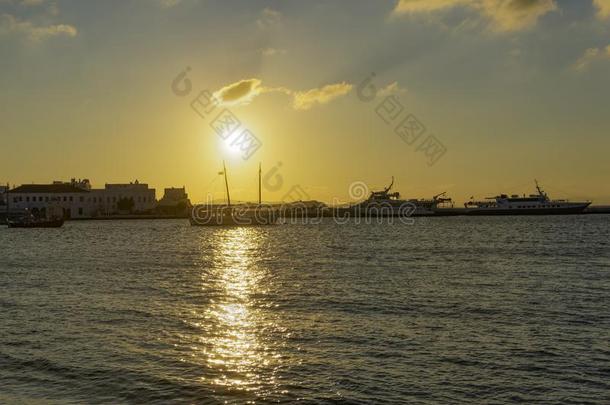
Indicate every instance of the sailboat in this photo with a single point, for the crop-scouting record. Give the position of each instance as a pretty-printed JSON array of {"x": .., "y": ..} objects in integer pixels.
[{"x": 234, "y": 215}]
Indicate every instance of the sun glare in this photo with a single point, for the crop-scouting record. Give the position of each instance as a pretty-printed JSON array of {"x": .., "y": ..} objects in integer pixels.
[{"x": 229, "y": 147}]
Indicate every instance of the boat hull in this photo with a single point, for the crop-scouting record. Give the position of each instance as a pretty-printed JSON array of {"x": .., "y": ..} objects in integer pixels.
[
  {"x": 231, "y": 222},
  {"x": 571, "y": 210},
  {"x": 57, "y": 223},
  {"x": 234, "y": 217},
  {"x": 394, "y": 209}
]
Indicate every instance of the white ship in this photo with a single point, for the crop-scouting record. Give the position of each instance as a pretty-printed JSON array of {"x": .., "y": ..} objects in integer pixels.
[
  {"x": 534, "y": 204},
  {"x": 385, "y": 203}
]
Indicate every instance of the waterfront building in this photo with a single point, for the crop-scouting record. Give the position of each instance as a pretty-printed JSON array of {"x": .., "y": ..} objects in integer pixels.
[
  {"x": 79, "y": 200},
  {"x": 175, "y": 201},
  {"x": 37, "y": 198},
  {"x": 134, "y": 197}
]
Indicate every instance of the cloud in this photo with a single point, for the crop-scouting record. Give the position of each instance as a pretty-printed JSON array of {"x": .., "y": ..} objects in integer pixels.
[
  {"x": 427, "y": 6},
  {"x": 591, "y": 55},
  {"x": 239, "y": 93},
  {"x": 9, "y": 24},
  {"x": 504, "y": 15},
  {"x": 50, "y": 7},
  {"x": 269, "y": 18},
  {"x": 272, "y": 52},
  {"x": 392, "y": 88},
  {"x": 603, "y": 8},
  {"x": 244, "y": 91},
  {"x": 304, "y": 100}
]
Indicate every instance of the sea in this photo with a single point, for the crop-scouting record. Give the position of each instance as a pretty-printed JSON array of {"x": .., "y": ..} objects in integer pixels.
[{"x": 493, "y": 310}]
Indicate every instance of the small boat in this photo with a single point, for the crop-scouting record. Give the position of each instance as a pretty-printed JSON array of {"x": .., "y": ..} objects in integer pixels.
[
  {"x": 27, "y": 220},
  {"x": 53, "y": 219},
  {"x": 534, "y": 204},
  {"x": 31, "y": 222},
  {"x": 234, "y": 215}
]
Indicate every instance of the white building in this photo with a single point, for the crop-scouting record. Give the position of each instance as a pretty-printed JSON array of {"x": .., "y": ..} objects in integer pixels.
[
  {"x": 115, "y": 198},
  {"x": 79, "y": 200},
  {"x": 38, "y": 197}
]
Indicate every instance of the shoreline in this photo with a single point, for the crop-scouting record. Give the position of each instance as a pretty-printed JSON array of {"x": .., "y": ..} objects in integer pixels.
[{"x": 323, "y": 213}]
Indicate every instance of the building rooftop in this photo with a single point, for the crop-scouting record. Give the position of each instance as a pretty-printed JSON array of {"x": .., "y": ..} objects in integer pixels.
[{"x": 48, "y": 188}]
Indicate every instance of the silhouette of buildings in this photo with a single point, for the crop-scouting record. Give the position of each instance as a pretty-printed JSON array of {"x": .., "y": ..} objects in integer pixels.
[{"x": 79, "y": 200}]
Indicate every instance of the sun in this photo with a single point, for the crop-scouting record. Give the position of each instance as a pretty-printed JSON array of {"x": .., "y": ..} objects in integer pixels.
[{"x": 229, "y": 147}]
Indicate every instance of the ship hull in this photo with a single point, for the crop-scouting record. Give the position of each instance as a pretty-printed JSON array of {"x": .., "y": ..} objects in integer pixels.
[
  {"x": 571, "y": 210},
  {"x": 382, "y": 212}
]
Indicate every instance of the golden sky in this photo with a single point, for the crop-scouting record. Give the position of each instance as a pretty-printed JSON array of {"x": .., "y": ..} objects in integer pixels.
[{"x": 113, "y": 91}]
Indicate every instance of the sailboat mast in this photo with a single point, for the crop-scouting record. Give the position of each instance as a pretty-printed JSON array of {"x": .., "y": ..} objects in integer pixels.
[
  {"x": 259, "y": 184},
  {"x": 8, "y": 203},
  {"x": 224, "y": 170}
]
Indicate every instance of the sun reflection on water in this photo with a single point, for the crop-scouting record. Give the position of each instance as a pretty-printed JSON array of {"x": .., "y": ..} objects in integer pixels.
[{"x": 235, "y": 346}]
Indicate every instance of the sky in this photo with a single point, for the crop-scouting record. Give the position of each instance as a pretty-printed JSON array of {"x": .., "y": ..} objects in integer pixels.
[{"x": 471, "y": 97}]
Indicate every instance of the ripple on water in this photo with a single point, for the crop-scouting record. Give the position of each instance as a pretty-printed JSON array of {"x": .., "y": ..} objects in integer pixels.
[{"x": 446, "y": 310}]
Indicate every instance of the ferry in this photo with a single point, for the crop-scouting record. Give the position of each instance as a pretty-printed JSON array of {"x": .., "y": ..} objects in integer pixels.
[
  {"x": 534, "y": 204},
  {"x": 386, "y": 203}
]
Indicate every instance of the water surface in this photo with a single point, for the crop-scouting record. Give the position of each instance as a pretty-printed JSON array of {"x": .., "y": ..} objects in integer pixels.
[{"x": 493, "y": 310}]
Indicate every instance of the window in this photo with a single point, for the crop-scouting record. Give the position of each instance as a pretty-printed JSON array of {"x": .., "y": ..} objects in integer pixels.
[
  {"x": 46, "y": 199},
  {"x": 27, "y": 199},
  {"x": 80, "y": 210},
  {"x": 71, "y": 198},
  {"x": 15, "y": 199},
  {"x": 65, "y": 199}
]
